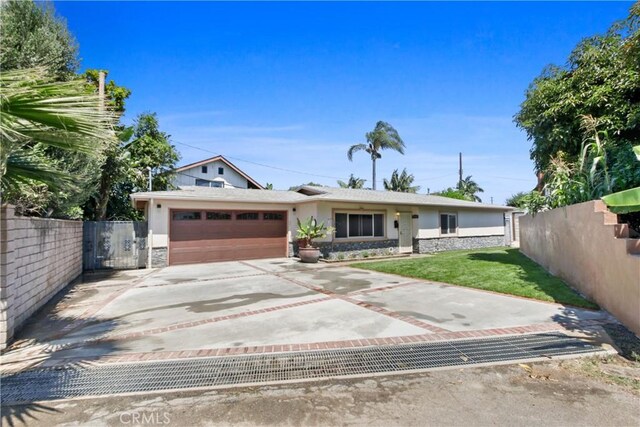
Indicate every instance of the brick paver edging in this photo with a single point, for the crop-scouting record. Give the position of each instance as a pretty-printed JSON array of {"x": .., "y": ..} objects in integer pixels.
[
  {"x": 194, "y": 323},
  {"x": 280, "y": 348},
  {"x": 366, "y": 305}
]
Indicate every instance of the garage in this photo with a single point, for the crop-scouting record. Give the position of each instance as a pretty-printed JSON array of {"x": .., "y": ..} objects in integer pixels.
[{"x": 197, "y": 236}]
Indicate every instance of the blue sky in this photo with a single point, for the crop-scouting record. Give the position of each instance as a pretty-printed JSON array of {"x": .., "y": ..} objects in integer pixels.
[{"x": 293, "y": 85}]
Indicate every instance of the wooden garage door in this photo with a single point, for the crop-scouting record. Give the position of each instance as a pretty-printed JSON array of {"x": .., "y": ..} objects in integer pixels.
[{"x": 206, "y": 236}]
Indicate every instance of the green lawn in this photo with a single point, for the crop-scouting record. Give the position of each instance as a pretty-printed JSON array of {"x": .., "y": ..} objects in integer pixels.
[{"x": 501, "y": 270}]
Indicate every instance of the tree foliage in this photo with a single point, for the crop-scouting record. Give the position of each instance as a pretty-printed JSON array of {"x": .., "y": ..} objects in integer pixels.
[
  {"x": 142, "y": 147},
  {"x": 601, "y": 80},
  {"x": 401, "y": 182},
  {"x": 451, "y": 193},
  {"x": 517, "y": 200},
  {"x": 470, "y": 189},
  {"x": 383, "y": 137},
  {"x": 115, "y": 96},
  {"x": 353, "y": 182},
  {"x": 33, "y": 36},
  {"x": 53, "y": 133}
]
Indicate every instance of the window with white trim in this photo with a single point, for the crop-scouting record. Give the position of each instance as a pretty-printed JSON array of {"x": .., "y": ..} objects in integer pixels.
[
  {"x": 207, "y": 183},
  {"x": 448, "y": 223},
  {"x": 355, "y": 225}
]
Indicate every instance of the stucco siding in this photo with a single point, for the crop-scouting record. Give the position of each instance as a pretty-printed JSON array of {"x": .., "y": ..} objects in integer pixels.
[
  {"x": 578, "y": 244},
  {"x": 472, "y": 223},
  {"x": 428, "y": 223}
]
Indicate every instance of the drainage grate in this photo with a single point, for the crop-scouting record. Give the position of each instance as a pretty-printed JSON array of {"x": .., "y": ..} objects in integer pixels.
[{"x": 77, "y": 381}]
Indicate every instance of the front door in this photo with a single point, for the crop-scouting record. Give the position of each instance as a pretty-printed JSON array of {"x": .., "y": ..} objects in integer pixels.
[{"x": 405, "y": 229}]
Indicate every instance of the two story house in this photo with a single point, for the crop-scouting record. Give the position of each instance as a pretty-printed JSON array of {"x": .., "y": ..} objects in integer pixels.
[{"x": 214, "y": 172}]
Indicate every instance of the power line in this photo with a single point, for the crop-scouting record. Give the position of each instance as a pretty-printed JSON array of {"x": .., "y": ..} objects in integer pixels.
[
  {"x": 262, "y": 164},
  {"x": 434, "y": 177},
  {"x": 510, "y": 179},
  {"x": 320, "y": 175}
]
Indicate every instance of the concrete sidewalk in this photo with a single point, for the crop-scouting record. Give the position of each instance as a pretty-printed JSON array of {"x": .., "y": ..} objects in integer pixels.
[{"x": 267, "y": 306}]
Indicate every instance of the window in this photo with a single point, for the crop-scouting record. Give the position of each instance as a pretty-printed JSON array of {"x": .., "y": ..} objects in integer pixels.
[
  {"x": 207, "y": 183},
  {"x": 218, "y": 215},
  {"x": 359, "y": 225},
  {"x": 448, "y": 223},
  {"x": 248, "y": 216},
  {"x": 220, "y": 171},
  {"x": 186, "y": 216},
  {"x": 273, "y": 216},
  {"x": 204, "y": 169}
]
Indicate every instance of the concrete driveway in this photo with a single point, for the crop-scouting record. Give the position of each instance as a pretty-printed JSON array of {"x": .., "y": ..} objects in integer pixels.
[{"x": 266, "y": 306}]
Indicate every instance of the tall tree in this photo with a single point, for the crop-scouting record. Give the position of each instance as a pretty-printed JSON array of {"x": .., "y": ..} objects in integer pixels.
[
  {"x": 401, "y": 182},
  {"x": 38, "y": 115},
  {"x": 517, "y": 200},
  {"x": 470, "y": 189},
  {"x": 353, "y": 182},
  {"x": 601, "y": 80},
  {"x": 143, "y": 148},
  {"x": 33, "y": 36},
  {"x": 383, "y": 137},
  {"x": 115, "y": 164}
]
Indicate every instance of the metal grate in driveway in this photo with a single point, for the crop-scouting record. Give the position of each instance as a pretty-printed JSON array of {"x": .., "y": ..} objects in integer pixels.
[{"x": 77, "y": 381}]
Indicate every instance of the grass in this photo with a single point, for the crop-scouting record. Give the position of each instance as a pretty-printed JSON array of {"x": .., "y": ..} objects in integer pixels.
[
  {"x": 612, "y": 370},
  {"x": 503, "y": 270}
]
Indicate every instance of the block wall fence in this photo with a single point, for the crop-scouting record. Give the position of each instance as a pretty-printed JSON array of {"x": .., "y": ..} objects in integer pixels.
[
  {"x": 38, "y": 257},
  {"x": 578, "y": 243}
]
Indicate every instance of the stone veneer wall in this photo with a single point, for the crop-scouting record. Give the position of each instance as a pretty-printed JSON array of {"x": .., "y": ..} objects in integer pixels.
[
  {"x": 423, "y": 246},
  {"x": 159, "y": 257},
  {"x": 38, "y": 258},
  {"x": 345, "y": 250}
]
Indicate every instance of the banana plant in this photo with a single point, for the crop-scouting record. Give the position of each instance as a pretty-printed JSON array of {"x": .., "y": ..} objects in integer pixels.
[
  {"x": 310, "y": 229},
  {"x": 626, "y": 201}
]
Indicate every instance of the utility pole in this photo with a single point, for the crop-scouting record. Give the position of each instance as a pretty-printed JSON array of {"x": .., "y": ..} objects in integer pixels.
[
  {"x": 460, "y": 171},
  {"x": 150, "y": 181},
  {"x": 491, "y": 199}
]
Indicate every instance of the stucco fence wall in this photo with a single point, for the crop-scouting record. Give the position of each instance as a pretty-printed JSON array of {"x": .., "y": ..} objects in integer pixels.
[
  {"x": 39, "y": 257},
  {"x": 575, "y": 244}
]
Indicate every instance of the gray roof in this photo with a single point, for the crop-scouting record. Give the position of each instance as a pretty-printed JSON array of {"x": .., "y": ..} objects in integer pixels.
[
  {"x": 311, "y": 194},
  {"x": 390, "y": 197},
  {"x": 187, "y": 192}
]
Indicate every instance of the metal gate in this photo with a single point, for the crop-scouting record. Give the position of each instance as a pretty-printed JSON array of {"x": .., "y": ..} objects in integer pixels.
[{"x": 114, "y": 244}]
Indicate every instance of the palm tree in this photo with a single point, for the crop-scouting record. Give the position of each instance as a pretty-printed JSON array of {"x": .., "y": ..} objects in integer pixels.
[
  {"x": 383, "y": 137},
  {"x": 37, "y": 114},
  {"x": 401, "y": 182},
  {"x": 352, "y": 183},
  {"x": 469, "y": 188}
]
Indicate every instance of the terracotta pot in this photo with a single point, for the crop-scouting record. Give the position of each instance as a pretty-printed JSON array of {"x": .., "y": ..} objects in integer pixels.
[{"x": 309, "y": 255}]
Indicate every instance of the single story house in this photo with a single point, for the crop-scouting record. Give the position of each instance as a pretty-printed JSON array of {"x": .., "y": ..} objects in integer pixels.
[
  {"x": 203, "y": 224},
  {"x": 214, "y": 172}
]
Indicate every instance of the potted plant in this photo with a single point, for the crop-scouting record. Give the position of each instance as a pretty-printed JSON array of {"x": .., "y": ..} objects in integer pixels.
[{"x": 308, "y": 230}]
